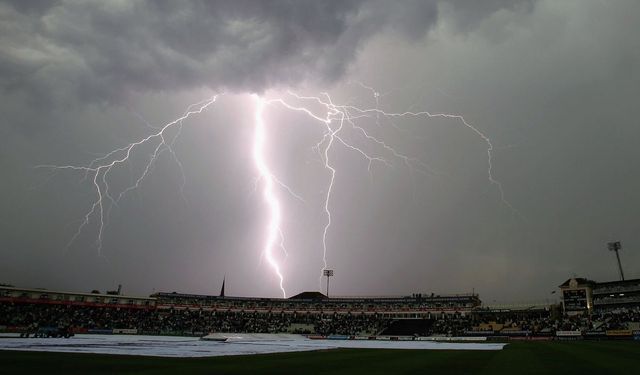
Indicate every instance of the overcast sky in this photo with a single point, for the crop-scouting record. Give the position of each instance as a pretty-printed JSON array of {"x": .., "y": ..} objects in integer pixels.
[{"x": 554, "y": 85}]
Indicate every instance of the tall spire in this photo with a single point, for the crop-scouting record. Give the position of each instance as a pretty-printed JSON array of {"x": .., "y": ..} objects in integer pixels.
[{"x": 222, "y": 290}]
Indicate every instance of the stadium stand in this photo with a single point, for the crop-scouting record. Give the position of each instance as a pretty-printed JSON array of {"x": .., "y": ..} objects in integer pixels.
[{"x": 30, "y": 311}]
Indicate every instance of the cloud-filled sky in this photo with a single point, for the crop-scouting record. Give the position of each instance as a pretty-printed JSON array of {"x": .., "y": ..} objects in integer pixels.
[{"x": 555, "y": 85}]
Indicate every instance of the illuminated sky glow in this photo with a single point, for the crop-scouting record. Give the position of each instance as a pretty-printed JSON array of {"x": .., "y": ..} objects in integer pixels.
[{"x": 412, "y": 146}]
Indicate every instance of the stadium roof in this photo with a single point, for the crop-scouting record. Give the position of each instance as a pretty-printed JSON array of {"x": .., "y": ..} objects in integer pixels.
[
  {"x": 309, "y": 295},
  {"x": 584, "y": 281},
  {"x": 619, "y": 282},
  {"x": 579, "y": 280}
]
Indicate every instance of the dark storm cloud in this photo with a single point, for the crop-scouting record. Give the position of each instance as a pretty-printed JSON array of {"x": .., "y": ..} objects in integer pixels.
[
  {"x": 554, "y": 84},
  {"x": 102, "y": 50},
  {"x": 468, "y": 14}
]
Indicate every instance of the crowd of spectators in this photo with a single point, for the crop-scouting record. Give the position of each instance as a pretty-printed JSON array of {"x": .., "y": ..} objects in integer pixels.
[
  {"x": 183, "y": 321},
  {"x": 198, "y": 321},
  {"x": 617, "y": 318},
  {"x": 346, "y": 324},
  {"x": 536, "y": 322}
]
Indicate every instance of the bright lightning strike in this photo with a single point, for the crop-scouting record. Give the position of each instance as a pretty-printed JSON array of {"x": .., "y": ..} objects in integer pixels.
[
  {"x": 275, "y": 212},
  {"x": 336, "y": 121},
  {"x": 336, "y": 117}
]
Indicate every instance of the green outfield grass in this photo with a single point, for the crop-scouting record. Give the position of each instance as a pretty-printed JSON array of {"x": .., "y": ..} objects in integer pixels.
[{"x": 582, "y": 357}]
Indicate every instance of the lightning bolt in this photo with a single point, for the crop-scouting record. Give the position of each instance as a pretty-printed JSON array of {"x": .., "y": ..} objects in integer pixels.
[
  {"x": 336, "y": 117},
  {"x": 275, "y": 212},
  {"x": 336, "y": 120},
  {"x": 99, "y": 169}
]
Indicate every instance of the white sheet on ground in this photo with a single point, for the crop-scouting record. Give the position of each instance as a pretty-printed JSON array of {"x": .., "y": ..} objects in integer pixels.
[{"x": 168, "y": 346}]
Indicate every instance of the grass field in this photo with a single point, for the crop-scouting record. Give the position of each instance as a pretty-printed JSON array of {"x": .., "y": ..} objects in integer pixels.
[{"x": 581, "y": 357}]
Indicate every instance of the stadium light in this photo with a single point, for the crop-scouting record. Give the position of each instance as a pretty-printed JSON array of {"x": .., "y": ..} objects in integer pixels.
[
  {"x": 615, "y": 246},
  {"x": 328, "y": 274}
]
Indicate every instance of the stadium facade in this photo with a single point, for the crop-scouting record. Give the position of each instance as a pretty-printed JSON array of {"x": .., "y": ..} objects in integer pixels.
[
  {"x": 414, "y": 306},
  {"x": 578, "y": 296},
  {"x": 588, "y": 309},
  {"x": 583, "y": 296}
]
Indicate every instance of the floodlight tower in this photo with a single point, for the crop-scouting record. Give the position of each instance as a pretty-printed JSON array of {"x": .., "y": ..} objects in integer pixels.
[
  {"x": 615, "y": 246},
  {"x": 328, "y": 274}
]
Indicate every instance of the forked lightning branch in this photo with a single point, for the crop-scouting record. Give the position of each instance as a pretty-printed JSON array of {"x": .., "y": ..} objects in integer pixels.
[{"x": 336, "y": 120}]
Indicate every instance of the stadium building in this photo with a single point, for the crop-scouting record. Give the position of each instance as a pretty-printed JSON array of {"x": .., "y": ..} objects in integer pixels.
[
  {"x": 24, "y": 310},
  {"x": 414, "y": 306},
  {"x": 583, "y": 296},
  {"x": 591, "y": 310},
  {"x": 9, "y": 294}
]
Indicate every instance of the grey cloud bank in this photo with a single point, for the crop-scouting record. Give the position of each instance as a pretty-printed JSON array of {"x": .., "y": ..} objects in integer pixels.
[
  {"x": 95, "y": 50},
  {"x": 554, "y": 84}
]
